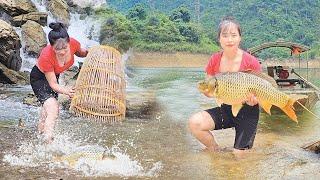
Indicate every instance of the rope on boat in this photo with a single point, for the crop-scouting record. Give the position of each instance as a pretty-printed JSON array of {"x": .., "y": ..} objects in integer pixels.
[{"x": 308, "y": 110}]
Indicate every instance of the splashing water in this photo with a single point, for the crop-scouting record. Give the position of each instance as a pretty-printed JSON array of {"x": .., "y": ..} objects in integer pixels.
[
  {"x": 36, "y": 153},
  {"x": 90, "y": 3}
]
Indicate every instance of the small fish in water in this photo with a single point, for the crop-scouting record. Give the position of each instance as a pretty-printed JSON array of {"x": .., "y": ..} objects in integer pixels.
[
  {"x": 73, "y": 158},
  {"x": 233, "y": 88}
]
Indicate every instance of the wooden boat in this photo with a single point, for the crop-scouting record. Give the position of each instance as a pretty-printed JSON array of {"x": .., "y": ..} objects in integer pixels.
[{"x": 290, "y": 83}]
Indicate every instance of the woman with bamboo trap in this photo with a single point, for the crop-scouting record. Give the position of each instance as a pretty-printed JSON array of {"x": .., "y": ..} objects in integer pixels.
[
  {"x": 230, "y": 59},
  {"x": 54, "y": 59}
]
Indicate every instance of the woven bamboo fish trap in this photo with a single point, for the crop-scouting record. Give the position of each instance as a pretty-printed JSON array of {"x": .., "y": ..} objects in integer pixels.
[{"x": 100, "y": 87}]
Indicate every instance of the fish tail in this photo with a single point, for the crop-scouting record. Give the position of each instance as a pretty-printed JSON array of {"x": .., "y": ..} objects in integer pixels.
[{"x": 289, "y": 110}]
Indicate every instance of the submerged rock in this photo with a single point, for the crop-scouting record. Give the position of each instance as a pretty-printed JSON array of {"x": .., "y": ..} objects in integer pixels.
[
  {"x": 313, "y": 146},
  {"x": 31, "y": 99}
]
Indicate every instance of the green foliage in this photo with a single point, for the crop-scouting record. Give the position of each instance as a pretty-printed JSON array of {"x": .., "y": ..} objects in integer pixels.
[
  {"x": 116, "y": 30},
  {"x": 180, "y": 14},
  {"x": 261, "y": 21},
  {"x": 137, "y": 12},
  {"x": 190, "y": 31},
  {"x": 315, "y": 51},
  {"x": 163, "y": 31},
  {"x": 154, "y": 31}
]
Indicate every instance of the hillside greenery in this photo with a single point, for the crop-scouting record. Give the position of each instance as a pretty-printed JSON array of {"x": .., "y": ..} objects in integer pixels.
[
  {"x": 156, "y": 31},
  {"x": 153, "y": 25}
]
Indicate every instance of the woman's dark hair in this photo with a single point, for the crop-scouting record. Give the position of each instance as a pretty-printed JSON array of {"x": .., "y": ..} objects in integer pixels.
[
  {"x": 226, "y": 22},
  {"x": 58, "y": 31}
]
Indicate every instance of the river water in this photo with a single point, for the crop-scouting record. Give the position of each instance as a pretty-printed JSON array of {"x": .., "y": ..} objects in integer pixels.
[{"x": 158, "y": 147}]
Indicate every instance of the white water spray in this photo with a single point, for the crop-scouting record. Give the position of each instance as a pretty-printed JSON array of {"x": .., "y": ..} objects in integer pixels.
[{"x": 35, "y": 154}]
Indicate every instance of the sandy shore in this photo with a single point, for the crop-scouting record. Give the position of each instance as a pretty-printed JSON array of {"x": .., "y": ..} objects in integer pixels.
[
  {"x": 154, "y": 59},
  {"x": 151, "y": 59}
]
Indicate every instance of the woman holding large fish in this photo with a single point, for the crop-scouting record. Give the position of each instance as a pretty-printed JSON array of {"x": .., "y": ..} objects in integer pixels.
[{"x": 230, "y": 59}]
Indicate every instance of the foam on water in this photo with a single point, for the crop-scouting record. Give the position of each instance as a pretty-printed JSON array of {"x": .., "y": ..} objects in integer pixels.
[
  {"x": 34, "y": 153},
  {"x": 90, "y": 3}
]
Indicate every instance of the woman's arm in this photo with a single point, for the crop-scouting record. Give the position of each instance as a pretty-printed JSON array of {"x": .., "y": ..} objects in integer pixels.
[
  {"x": 53, "y": 83},
  {"x": 82, "y": 52}
]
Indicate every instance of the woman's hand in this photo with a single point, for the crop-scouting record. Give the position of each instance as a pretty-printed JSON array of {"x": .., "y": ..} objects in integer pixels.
[
  {"x": 69, "y": 91},
  {"x": 252, "y": 100},
  {"x": 82, "y": 53}
]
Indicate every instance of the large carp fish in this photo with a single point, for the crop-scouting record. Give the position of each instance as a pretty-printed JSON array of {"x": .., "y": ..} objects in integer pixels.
[
  {"x": 233, "y": 88},
  {"x": 91, "y": 154}
]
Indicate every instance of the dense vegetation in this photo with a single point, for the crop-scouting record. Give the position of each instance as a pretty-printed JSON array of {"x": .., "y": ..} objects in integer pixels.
[
  {"x": 153, "y": 31},
  {"x": 172, "y": 25}
]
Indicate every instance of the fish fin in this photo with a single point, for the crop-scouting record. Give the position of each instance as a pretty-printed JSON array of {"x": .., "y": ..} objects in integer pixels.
[
  {"x": 266, "y": 106},
  {"x": 219, "y": 102},
  {"x": 288, "y": 109},
  {"x": 235, "y": 109},
  {"x": 263, "y": 76},
  {"x": 296, "y": 97}
]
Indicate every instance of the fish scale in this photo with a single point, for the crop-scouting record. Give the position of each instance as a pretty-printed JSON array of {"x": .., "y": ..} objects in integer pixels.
[{"x": 233, "y": 88}]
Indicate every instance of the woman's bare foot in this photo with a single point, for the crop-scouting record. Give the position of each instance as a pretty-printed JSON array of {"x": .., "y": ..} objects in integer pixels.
[
  {"x": 216, "y": 149},
  {"x": 240, "y": 154}
]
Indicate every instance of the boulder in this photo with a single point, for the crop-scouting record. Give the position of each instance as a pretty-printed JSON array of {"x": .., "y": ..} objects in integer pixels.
[
  {"x": 59, "y": 9},
  {"x": 313, "y": 147},
  {"x": 39, "y": 17},
  {"x": 34, "y": 37},
  {"x": 9, "y": 47},
  {"x": 74, "y": 7},
  {"x": 8, "y": 76},
  {"x": 17, "y": 7}
]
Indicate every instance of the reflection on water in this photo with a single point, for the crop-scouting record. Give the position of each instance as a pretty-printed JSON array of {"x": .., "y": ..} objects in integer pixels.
[{"x": 160, "y": 146}]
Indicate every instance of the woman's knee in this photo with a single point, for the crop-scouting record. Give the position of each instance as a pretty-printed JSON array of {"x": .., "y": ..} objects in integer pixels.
[
  {"x": 200, "y": 121},
  {"x": 51, "y": 107}
]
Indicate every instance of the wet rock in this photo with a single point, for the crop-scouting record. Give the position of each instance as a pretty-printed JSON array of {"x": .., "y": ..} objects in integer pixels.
[
  {"x": 3, "y": 96},
  {"x": 140, "y": 103},
  {"x": 59, "y": 9},
  {"x": 9, "y": 47},
  {"x": 39, "y": 17},
  {"x": 32, "y": 100},
  {"x": 34, "y": 38},
  {"x": 313, "y": 146},
  {"x": 74, "y": 7},
  {"x": 65, "y": 102},
  {"x": 8, "y": 76},
  {"x": 70, "y": 76},
  {"x": 17, "y": 7}
]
